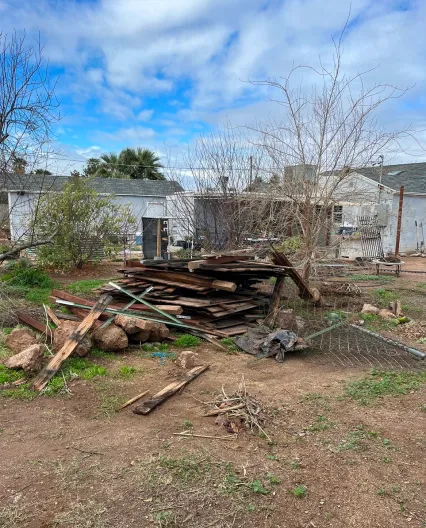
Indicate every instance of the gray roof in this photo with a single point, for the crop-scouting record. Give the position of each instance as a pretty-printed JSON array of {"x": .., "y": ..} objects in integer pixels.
[
  {"x": 37, "y": 182},
  {"x": 411, "y": 175}
]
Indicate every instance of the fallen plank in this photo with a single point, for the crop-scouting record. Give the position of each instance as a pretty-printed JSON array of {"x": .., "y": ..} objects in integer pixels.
[
  {"x": 52, "y": 315},
  {"x": 189, "y": 435},
  {"x": 70, "y": 344},
  {"x": 170, "y": 390},
  {"x": 236, "y": 330},
  {"x": 30, "y": 321},
  {"x": 132, "y": 400}
]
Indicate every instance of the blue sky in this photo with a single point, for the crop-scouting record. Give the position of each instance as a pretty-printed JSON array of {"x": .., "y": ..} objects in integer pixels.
[{"x": 156, "y": 73}]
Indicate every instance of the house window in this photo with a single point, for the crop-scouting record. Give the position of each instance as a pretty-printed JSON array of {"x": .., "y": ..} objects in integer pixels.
[{"x": 338, "y": 213}]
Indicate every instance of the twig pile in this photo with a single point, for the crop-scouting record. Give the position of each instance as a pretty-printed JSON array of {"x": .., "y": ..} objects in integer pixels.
[{"x": 238, "y": 411}]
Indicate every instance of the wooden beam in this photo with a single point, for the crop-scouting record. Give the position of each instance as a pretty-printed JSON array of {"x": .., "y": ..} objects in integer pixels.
[
  {"x": 274, "y": 304},
  {"x": 30, "y": 321},
  {"x": 52, "y": 315},
  {"x": 70, "y": 344},
  {"x": 159, "y": 398}
]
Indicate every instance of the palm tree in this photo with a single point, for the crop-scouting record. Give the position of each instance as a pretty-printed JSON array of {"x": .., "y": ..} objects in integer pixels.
[
  {"x": 136, "y": 164},
  {"x": 110, "y": 167}
]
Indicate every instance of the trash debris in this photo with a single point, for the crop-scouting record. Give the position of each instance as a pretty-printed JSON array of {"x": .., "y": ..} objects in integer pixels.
[
  {"x": 238, "y": 411},
  {"x": 261, "y": 342}
]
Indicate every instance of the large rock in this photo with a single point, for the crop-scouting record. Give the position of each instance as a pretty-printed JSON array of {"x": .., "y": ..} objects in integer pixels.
[
  {"x": 20, "y": 339},
  {"x": 386, "y": 314},
  {"x": 370, "y": 309},
  {"x": 30, "y": 359},
  {"x": 63, "y": 332},
  {"x": 132, "y": 325},
  {"x": 111, "y": 339},
  {"x": 141, "y": 337},
  {"x": 186, "y": 359},
  {"x": 158, "y": 333}
]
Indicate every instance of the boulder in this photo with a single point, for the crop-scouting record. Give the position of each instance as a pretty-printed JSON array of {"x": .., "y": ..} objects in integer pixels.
[
  {"x": 30, "y": 359},
  {"x": 386, "y": 314},
  {"x": 141, "y": 337},
  {"x": 63, "y": 332},
  {"x": 186, "y": 359},
  {"x": 158, "y": 332},
  {"x": 132, "y": 325},
  {"x": 112, "y": 338},
  {"x": 20, "y": 339},
  {"x": 370, "y": 309}
]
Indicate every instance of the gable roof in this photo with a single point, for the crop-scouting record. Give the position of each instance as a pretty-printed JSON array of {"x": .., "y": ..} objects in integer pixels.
[
  {"x": 411, "y": 175},
  {"x": 34, "y": 183}
]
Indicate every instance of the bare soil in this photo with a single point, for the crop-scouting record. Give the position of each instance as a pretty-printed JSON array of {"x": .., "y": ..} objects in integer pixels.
[{"x": 74, "y": 461}]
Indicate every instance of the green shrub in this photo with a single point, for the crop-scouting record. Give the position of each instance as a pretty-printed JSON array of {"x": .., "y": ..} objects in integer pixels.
[
  {"x": 187, "y": 340},
  {"x": 22, "y": 273},
  {"x": 290, "y": 245}
]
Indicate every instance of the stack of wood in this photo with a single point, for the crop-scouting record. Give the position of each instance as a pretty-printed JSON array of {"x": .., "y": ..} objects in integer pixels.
[{"x": 219, "y": 295}]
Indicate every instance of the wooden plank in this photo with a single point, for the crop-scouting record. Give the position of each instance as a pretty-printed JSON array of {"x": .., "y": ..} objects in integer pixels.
[
  {"x": 70, "y": 344},
  {"x": 274, "y": 305},
  {"x": 170, "y": 390},
  {"x": 30, "y": 321},
  {"x": 236, "y": 330},
  {"x": 52, "y": 315},
  {"x": 174, "y": 310}
]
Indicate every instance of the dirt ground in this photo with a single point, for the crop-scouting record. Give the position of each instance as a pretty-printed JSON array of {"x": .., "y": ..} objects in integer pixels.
[{"x": 72, "y": 460}]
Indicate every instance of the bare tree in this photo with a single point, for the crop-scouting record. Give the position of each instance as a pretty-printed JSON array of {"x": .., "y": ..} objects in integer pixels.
[
  {"x": 28, "y": 108},
  {"x": 328, "y": 129}
]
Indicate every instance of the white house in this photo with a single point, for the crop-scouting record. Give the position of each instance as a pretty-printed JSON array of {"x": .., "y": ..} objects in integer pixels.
[{"x": 147, "y": 200}]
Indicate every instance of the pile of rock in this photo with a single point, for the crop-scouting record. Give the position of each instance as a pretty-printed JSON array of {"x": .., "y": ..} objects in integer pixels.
[
  {"x": 28, "y": 351},
  {"x": 394, "y": 311}
]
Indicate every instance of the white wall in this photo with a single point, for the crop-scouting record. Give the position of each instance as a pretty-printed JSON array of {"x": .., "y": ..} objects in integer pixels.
[{"x": 22, "y": 207}]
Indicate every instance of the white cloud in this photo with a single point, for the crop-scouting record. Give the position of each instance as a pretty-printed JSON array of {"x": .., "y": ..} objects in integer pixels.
[
  {"x": 145, "y": 115},
  {"x": 89, "y": 152}
]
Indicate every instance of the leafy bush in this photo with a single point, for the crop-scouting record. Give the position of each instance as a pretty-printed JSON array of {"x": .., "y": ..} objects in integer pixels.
[
  {"x": 23, "y": 273},
  {"x": 85, "y": 224},
  {"x": 187, "y": 340},
  {"x": 290, "y": 245}
]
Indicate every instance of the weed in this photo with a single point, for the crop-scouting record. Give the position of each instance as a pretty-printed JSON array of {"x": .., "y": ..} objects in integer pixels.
[
  {"x": 361, "y": 277},
  {"x": 187, "y": 424},
  {"x": 384, "y": 383},
  {"x": 299, "y": 491},
  {"x": 257, "y": 487},
  {"x": 10, "y": 375},
  {"x": 355, "y": 437},
  {"x": 127, "y": 372},
  {"x": 187, "y": 340},
  {"x": 321, "y": 424},
  {"x": 8, "y": 330},
  {"x": 88, "y": 514},
  {"x": 271, "y": 457},
  {"x": 38, "y": 295},
  {"x": 383, "y": 297},
  {"x": 22, "y": 273},
  {"x": 251, "y": 507},
  {"x": 381, "y": 492},
  {"x": 295, "y": 464},
  {"x": 228, "y": 342},
  {"x": 421, "y": 285},
  {"x": 387, "y": 460},
  {"x": 273, "y": 479},
  {"x": 92, "y": 372},
  {"x": 96, "y": 352},
  {"x": 20, "y": 393},
  {"x": 86, "y": 286},
  {"x": 166, "y": 519},
  {"x": 422, "y": 340},
  {"x": 109, "y": 405},
  {"x": 185, "y": 468}
]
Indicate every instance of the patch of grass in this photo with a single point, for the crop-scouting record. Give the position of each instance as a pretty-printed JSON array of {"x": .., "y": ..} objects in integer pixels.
[
  {"x": 38, "y": 295},
  {"x": 361, "y": 277},
  {"x": 96, "y": 352},
  {"x": 383, "y": 297},
  {"x": 383, "y": 383},
  {"x": 295, "y": 464},
  {"x": 10, "y": 375},
  {"x": 184, "y": 468},
  {"x": 155, "y": 347},
  {"x": 109, "y": 405},
  {"x": 421, "y": 285},
  {"x": 387, "y": 460},
  {"x": 228, "y": 342},
  {"x": 315, "y": 399},
  {"x": 12, "y": 516},
  {"x": 273, "y": 479},
  {"x": 299, "y": 491},
  {"x": 82, "y": 515},
  {"x": 92, "y": 372},
  {"x": 127, "y": 372},
  {"x": 86, "y": 286},
  {"x": 7, "y": 330},
  {"x": 187, "y": 340},
  {"x": 381, "y": 492},
  {"x": 321, "y": 424},
  {"x": 354, "y": 438},
  {"x": 256, "y": 486},
  {"x": 22, "y": 392},
  {"x": 73, "y": 367},
  {"x": 22, "y": 273},
  {"x": 187, "y": 424}
]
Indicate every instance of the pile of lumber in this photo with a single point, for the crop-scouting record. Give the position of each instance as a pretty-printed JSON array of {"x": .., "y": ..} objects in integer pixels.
[{"x": 219, "y": 295}]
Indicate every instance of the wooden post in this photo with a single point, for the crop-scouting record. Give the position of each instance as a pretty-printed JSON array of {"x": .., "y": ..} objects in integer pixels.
[
  {"x": 159, "y": 237},
  {"x": 398, "y": 227},
  {"x": 274, "y": 304}
]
